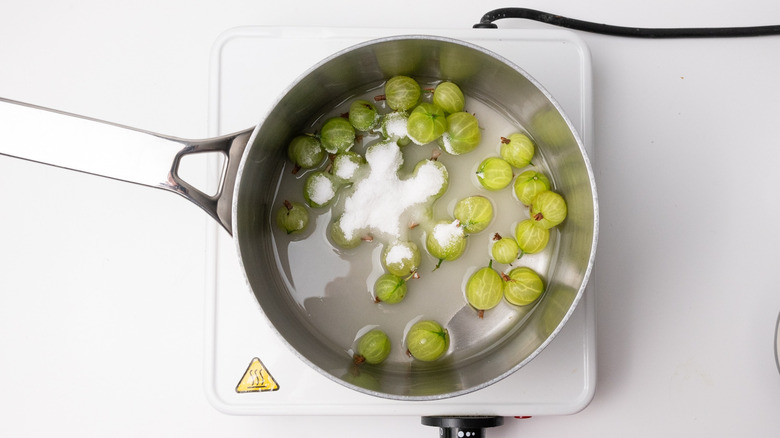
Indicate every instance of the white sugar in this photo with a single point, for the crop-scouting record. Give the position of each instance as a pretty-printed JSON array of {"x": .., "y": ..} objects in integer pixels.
[
  {"x": 446, "y": 143},
  {"x": 381, "y": 198},
  {"x": 395, "y": 125},
  {"x": 446, "y": 234},
  {"x": 323, "y": 189},
  {"x": 346, "y": 169},
  {"x": 398, "y": 254}
]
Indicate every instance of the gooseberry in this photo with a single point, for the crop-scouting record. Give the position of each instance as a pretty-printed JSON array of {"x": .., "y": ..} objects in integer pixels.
[
  {"x": 462, "y": 135},
  {"x": 433, "y": 166},
  {"x": 337, "y": 135},
  {"x": 427, "y": 340},
  {"x": 320, "y": 189},
  {"x": 474, "y": 213},
  {"x": 484, "y": 289},
  {"x": 341, "y": 239},
  {"x": 446, "y": 241},
  {"x": 305, "y": 151},
  {"x": 373, "y": 347},
  {"x": 530, "y": 238},
  {"x": 529, "y": 184},
  {"x": 522, "y": 286},
  {"x": 449, "y": 97},
  {"x": 401, "y": 258},
  {"x": 517, "y": 150},
  {"x": 394, "y": 127},
  {"x": 390, "y": 289},
  {"x": 504, "y": 250},
  {"x": 548, "y": 209},
  {"x": 426, "y": 123},
  {"x": 363, "y": 115},
  {"x": 292, "y": 217},
  {"x": 402, "y": 93},
  {"x": 346, "y": 166},
  {"x": 494, "y": 173}
]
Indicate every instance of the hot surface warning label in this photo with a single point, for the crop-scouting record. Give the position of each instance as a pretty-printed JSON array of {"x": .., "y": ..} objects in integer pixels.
[{"x": 256, "y": 379}]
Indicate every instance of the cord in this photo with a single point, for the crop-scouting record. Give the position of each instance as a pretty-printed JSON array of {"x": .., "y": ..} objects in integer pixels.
[{"x": 700, "y": 32}]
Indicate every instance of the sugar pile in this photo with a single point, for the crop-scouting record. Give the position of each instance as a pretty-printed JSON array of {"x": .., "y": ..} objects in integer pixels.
[
  {"x": 447, "y": 233},
  {"x": 380, "y": 199},
  {"x": 346, "y": 169},
  {"x": 395, "y": 125},
  {"x": 322, "y": 190},
  {"x": 399, "y": 254}
]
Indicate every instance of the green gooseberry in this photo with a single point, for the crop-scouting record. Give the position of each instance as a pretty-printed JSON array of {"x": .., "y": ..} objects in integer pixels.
[
  {"x": 484, "y": 289},
  {"x": 494, "y": 173},
  {"x": 436, "y": 166},
  {"x": 373, "y": 347},
  {"x": 530, "y": 238},
  {"x": 449, "y": 97},
  {"x": 426, "y": 123},
  {"x": 548, "y": 209},
  {"x": 474, "y": 213},
  {"x": 529, "y": 184},
  {"x": 446, "y": 241},
  {"x": 292, "y": 217},
  {"x": 401, "y": 258},
  {"x": 402, "y": 93},
  {"x": 504, "y": 249},
  {"x": 390, "y": 289},
  {"x": 463, "y": 134},
  {"x": 517, "y": 150},
  {"x": 394, "y": 127},
  {"x": 522, "y": 286},
  {"x": 427, "y": 340},
  {"x": 305, "y": 151},
  {"x": 320, "y": 189},
  {"x": 346, "y": 166},
  {"x": 337, "y": 135},
  {"x": 341, "y": 239},
  {"x": 363, "y": 115}
]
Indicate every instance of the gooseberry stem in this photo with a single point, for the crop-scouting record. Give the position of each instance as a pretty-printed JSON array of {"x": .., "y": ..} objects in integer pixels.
[{"x": 288, "y": 205}]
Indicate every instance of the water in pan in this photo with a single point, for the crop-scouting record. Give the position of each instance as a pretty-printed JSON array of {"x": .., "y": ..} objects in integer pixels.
[{"x": 333, "y": 286}]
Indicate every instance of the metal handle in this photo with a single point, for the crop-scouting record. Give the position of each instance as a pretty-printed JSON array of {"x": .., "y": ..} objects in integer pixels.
[
  {"x": 119, "y": 152},
  {"x": 777, "y": 343}
]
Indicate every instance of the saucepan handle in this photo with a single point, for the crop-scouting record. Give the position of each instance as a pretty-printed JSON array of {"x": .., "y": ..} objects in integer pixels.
[{"x": 105, "y": 149}]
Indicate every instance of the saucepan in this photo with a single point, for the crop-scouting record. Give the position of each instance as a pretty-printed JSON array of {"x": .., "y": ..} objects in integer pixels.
[{"x": 248, "y": 196}]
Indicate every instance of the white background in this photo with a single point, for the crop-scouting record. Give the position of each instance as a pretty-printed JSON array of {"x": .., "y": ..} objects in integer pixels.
[{"x": 101, "y": 323}]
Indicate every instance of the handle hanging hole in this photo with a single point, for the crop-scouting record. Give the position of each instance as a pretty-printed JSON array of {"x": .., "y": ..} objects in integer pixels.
[{"x": 203, "y": 171}]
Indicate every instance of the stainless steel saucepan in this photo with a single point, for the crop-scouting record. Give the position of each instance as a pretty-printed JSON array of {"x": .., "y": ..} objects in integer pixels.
[{"x": 243, "y": 203}]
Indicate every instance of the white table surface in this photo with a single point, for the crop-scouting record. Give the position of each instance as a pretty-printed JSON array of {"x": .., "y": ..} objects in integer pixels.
[{"x": 101, "y": 285}]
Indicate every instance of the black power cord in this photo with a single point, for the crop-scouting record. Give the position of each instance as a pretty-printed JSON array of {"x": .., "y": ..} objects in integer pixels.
[{"x": 636, "y": 32}]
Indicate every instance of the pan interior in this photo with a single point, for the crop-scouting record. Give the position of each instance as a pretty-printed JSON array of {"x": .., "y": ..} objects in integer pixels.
[{"x": 318, "y": 299}]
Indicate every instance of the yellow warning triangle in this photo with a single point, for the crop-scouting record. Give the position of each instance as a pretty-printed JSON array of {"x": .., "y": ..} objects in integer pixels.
[{"x": 256, "y": 379}]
